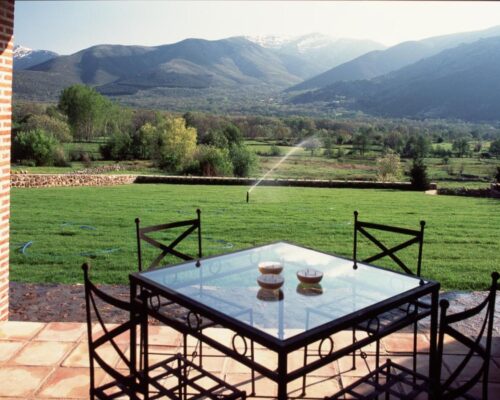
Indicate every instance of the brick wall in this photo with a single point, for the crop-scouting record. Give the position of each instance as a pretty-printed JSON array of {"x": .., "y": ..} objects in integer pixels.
[{"x": 6, "y": 46}]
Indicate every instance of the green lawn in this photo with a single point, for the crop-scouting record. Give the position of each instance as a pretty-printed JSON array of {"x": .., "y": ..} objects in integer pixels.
[{"x": 70, "y": 225}]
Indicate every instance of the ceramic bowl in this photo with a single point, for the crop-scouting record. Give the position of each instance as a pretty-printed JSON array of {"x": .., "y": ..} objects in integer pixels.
[
  {"x": 270, "y": 281},
  {"x": 270, "y": 267},
  {"x": 309, "y": 275}
]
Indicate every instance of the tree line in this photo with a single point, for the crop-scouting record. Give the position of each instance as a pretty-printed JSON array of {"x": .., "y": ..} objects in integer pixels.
[{"x": 208, "y": 144}]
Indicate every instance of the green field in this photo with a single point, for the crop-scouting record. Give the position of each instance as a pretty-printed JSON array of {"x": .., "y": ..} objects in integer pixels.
[{"x": 67, "y": 226}]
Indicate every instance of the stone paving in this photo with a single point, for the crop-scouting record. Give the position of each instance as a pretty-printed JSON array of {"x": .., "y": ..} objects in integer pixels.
[{"x": 50, "y": 361}]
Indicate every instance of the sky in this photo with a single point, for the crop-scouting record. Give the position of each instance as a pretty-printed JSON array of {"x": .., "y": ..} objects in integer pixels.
[{"x": 68, "y": 26}]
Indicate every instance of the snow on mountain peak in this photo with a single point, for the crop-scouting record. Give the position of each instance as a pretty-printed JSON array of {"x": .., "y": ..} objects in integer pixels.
[{"x": 21, "y": 51}]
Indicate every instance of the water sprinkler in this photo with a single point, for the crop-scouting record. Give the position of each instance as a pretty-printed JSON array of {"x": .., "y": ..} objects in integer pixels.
[{"x": 248, "y": 196}]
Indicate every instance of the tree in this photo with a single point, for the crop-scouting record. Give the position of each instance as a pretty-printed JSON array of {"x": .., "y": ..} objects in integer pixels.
[
  {"x": 495, "y": 148},
  {"x": 86, "y": 110},
  {"x": 243, "y": 160},
  {"x": 417, "y": 147},
  {"x": 360, "y": 142},
  {"x": 312, "y": 144},
  {"x": 213, "y": 161},
  {"x": 328, "y": 145},
  {"x": 461, "y": 146},
  {"x": 216, "y": 138},
  {"x": 55, "y": 127},
  {"x": 389, "y": 167},
  {"x": 173, "y": 144},
  {"x": 418, "y": 174}
]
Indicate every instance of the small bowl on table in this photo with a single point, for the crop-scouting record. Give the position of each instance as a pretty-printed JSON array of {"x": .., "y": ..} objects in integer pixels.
[
  {"x": 309, "y": 276},
  {"x": 270, "y": 281},
  {"x": 270, "y": 267}
]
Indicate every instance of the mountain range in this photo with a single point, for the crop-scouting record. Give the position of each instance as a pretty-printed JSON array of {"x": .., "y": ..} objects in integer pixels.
[
  {"x": 462, "y": 82},
  {"x": 191, "y": 63},
  {"x": 380, "y": 62},
  {"x": 451, "y": 76}
]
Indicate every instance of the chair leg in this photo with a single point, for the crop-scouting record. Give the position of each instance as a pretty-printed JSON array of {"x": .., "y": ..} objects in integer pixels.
[
  {"x": 304, "y": 383},
  {"x": 415, "y": 331},
  {"x": 387, "y": 392},
  {"x": 377, "y": 358},
  {"x": 354, "y": 352},
  {"x": 252, "y": 357}
]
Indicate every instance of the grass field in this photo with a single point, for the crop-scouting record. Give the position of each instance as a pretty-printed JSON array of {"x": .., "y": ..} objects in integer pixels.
[{"x": 67, "y": 226}]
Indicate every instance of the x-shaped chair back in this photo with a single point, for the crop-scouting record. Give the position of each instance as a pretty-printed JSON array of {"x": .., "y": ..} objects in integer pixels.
[
  {"x": 416, "y": 236},
  {"x": 143, "y": 234}
]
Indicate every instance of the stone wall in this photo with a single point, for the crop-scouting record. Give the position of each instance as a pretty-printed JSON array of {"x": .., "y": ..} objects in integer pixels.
[
  {"x": 54, "y": 180},
  {"x": 6, "y": 47},
  {"x": 25, "y": 180}
]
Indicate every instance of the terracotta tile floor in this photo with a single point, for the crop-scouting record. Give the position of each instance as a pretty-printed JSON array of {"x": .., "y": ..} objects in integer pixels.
[{"x": 50, "y": 361}]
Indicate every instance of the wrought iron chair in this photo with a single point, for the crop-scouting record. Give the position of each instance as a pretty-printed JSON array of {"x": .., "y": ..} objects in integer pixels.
[
  {"x": 143, "y": 234},
  {"x": 416, "y": 237},
  {"x": 402, "y": 383},
  {"x": 192, "y": 225},
  {"x": 147, "y": 381}
]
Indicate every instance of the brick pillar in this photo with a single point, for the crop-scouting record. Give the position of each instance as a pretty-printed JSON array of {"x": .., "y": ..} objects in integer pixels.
[{"x": 6, "y": 46}]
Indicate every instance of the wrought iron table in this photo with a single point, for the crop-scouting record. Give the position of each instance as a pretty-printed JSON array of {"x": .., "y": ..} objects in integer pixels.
[{"x": 223, "y": 290}]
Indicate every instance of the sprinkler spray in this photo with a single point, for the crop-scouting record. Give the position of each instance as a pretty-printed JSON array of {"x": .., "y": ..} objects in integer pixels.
[{"x": 248, "y": 196}]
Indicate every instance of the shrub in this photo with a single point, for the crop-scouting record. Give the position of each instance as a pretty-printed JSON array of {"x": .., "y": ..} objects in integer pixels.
[
  {"x": 80, "y": 154},
  {"x": 36, "y": 146},
  {"x": 118, "y": 147},
  {"x": 389, "y": 167},
  {"x": 497, "y": 174},
  {"x": 418, "y": 175},
  {"x": 243, "y": 160},
  {"x": 274, "y": 151},
  {"x": 211, "y": 161},
  {"x": 216, "y": 138},
  {"x": 57, "y": 128},
  {"x": 59, "y": 157}
]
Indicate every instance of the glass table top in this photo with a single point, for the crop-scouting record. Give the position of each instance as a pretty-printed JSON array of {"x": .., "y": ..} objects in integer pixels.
[{"x": 229, "y": 284}]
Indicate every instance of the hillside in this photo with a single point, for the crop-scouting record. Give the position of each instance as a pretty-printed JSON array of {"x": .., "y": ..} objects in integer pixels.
[
  {"x": 377, "y": 63},
  {"x": 25, "y": 57},
  {"x": 191, "y": 63},
  {"x": 462, "y": 82}
]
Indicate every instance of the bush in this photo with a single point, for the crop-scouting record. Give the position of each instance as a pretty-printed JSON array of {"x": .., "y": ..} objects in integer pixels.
[
  {"x": 211, "y": 161},
  {"x": 59, "y": 157},
  {"x": 80, "y": 154},
  {"x": 243, "y": 160},
  {"x": 389, "y": 167},
  {"x": 36, "y": 146},
  {"x": 118, "y": 147},
  {"x": 497, "y": 175},
  {"x": 274, "y": 151},
  {"x": 418, "y": 175},
  {"x": 57, "y": 128}
]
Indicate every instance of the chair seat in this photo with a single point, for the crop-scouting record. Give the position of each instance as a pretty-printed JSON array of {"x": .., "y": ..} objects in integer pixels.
[
  {"x": 390, "y": 378},
  {"x": 171, "y": 377}
]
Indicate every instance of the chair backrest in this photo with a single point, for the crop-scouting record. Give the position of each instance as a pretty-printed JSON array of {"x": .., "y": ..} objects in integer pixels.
[
  {"x": 143, "y": 234},
  {"x": 477, "y": 348},
  {"x": 416, "y": 237},
  {"x": 105, "y": 337}
]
